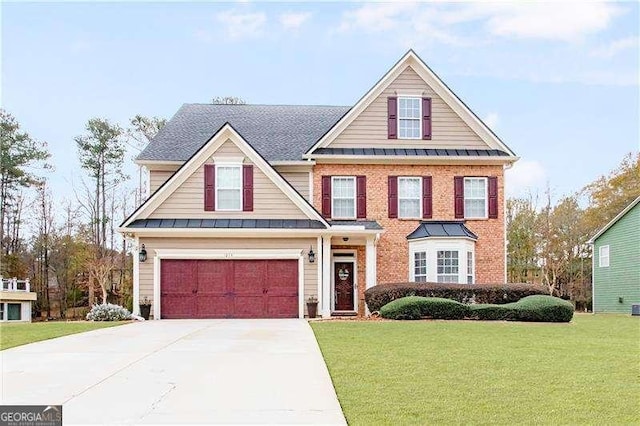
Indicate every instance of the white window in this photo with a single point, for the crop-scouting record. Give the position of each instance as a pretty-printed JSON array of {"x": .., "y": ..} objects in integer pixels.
[
  {"x": 475, "y": 198},
  {"x": 447, "y": 266},
  {"x": 470, "y": 274},
  {"x": 603, "y": 258},
  {"x": 343, "y": 197},
  {"x": 229, "y": 187},
  {"x": 420, "y": 266},
  {"x": 409, "y": 118},
  {"x": 409, "y": 197}
]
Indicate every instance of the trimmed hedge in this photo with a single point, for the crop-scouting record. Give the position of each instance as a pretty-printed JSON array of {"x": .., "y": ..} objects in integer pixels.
[
  {"x": 381, "y": 294},
  {"x": 416, "y": 307},
  {"x": 539, "y": 308}
]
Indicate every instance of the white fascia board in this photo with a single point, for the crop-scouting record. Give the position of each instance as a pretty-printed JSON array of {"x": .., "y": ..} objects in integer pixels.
[
  {"x": 222, "y": 232},
  {"x": 228, "y": 253},
  {"x": 158, "y": 162}
]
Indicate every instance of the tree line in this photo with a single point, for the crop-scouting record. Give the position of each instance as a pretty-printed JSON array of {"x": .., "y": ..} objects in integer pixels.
[
  {"x": 73, "y": 256},
  {"x": 548, "y": 242},
  {"x": 69, "y": 248}
]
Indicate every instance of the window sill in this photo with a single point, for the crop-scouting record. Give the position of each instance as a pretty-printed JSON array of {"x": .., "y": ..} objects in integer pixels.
[{"x": 477, "y": 218}]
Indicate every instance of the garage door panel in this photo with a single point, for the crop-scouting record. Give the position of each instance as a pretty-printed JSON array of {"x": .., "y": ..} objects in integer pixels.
[
  {"x": 229, "y": 288},
  {"x": 250, "y": 307},
  {"x": 282, "y": 306},
  {"x": 214, "y": 306}
]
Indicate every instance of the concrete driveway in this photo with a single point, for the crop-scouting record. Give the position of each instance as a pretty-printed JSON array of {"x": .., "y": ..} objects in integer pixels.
[{"x": 178, "y": 371}]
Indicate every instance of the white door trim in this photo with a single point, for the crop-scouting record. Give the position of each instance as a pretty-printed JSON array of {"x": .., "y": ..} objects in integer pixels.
[
  {"x": 235, "y": 254},
  {"x": 349, "y": 259}
]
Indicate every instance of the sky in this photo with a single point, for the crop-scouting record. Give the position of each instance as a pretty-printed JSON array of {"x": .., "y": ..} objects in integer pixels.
[{"x": 558, "y": 82}]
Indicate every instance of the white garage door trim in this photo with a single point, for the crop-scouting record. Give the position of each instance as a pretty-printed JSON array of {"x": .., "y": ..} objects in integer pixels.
[{"x": 240, "y": 254}]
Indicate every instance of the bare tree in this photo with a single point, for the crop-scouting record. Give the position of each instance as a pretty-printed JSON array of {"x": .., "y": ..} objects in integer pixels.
[
  {"x": 228, "y": 100},
  {"x": 100, "y": 270}
]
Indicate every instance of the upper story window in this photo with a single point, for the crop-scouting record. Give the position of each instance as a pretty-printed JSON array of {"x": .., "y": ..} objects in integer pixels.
[
  {"x": 343, "y": 197},
  {"x": 409, "y": 118},
  {"x": 448, "y": 266},
  {"x": 228, "y": 187},
  {"x": 603, "y": 257},
  {"x": 475, "y": 198},
  {"x": 409, "y": 197}
]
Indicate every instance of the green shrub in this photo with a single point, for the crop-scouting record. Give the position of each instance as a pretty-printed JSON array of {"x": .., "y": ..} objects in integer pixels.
[
  {"x": 381, "y": 294},
  {"x": 543, "y": 309},
  {"x": 491, "y": 312},
  {"x": 416, "y": 307}
]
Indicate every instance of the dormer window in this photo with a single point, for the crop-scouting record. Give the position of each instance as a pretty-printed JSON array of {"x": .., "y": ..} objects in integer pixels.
[{"x": 409, "y": 118}]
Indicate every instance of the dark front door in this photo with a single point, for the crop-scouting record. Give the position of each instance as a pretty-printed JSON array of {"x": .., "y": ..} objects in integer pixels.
[{"x": 344, "y": 286}]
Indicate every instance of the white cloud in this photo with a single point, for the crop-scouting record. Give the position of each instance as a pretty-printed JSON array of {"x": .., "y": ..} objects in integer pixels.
[
  {"x": 566, "y": 21},
  {"x": 238, "y": 25},
  {"x": 491, "y": 120},
  {"x": 375, "y": 17},
  {"x": 617, "y": 46},
  {"x": 525, "y": 177},
  {"x": 292, "y": 21}
]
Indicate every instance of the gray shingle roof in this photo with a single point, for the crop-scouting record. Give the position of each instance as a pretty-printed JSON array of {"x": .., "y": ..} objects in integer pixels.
[
  {"x": 277, "y": 132},
  {"x": 441, "y": 228},
  {"x": 431, "y": 152},
  {"x": 228, "y": 223}
]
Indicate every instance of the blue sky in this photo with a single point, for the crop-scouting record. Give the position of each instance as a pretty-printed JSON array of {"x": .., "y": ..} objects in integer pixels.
[{"x": 558, "y": 82}]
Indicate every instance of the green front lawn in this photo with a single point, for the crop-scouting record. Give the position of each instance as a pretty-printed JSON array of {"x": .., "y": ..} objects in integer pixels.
[
  {"x": 472, "y": 372},
  {"x": 17, "y": 334}
]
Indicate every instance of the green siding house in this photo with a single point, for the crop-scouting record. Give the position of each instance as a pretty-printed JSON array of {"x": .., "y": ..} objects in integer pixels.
[{"x": 616, "y": 262}]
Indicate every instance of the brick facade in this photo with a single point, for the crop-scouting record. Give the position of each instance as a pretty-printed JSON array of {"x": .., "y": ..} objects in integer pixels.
[{"x": 393, "y": 248}]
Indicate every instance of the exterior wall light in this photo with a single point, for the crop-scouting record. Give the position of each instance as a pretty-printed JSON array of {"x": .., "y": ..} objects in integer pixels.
[
  {"x": 142, "y": 255},
  {"x": 312, "y": 255}
]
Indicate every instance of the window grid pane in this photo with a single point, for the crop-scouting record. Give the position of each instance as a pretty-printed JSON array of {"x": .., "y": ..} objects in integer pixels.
[
  {"x": 409, "y": 196},
  {"x": 470, "y": 273},
  {"x": 420, "y": 266},
  {"x": 229, "y": 187},
  {"x": 447, "y": 266},
  {"x": 343, "y": 197},
  {"x": 475, "y": 197},
  {"x": 409, "y": 116}
]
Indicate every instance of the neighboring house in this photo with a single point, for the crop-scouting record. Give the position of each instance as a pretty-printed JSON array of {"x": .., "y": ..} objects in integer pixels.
[
  {"x": 15, "y": 299},
  {"x": 616, "y": 262},
  {"x": 255, "y": 208}
]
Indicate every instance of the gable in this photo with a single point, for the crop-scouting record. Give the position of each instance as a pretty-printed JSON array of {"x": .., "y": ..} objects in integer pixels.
[
  {"x": 187, "y": 201},
  {"x": 369, "y": 129},
  {"x": 182, "y": 196},
  {"x": 453, "y": 124}
]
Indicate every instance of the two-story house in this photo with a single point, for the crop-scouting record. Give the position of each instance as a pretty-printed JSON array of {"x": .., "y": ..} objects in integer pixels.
[{"x": 256, "y": 208}]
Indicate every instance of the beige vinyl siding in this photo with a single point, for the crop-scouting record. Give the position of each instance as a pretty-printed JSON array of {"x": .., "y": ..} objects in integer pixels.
[
  {"x": 299, "y": 180},
  {"x": 151, "y": 244},
  {"x": 369, "y": 129},
  {"x": 187, "y": 201},
  {"x": 158, "y": 177}
]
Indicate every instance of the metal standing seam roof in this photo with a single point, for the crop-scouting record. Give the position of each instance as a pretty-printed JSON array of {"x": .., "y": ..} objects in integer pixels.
[
  {"x": 442, "y": 228},
  {"x": 277, "y": 132},
  {"x": 428, "y": 152},
  {"x": 227, "y": 223}
]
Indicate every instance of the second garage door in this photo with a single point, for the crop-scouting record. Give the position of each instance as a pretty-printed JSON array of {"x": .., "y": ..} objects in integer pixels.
[{"x": 229, "y": 288}]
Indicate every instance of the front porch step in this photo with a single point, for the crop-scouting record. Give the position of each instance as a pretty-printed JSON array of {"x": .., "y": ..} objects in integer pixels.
[{"x": 344, "y": 314}]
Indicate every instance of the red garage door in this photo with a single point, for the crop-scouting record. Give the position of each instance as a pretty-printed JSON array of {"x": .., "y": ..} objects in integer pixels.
[{"x": 229, "y": 288}]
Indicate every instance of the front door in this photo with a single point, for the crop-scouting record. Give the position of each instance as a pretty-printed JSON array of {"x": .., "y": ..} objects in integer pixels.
[{"x": 344, "y": 286}]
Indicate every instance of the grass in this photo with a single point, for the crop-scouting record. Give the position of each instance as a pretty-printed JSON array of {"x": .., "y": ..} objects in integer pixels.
[
  {"x": 17, "y": 334},
  {"x": 473, "y": 372}
]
